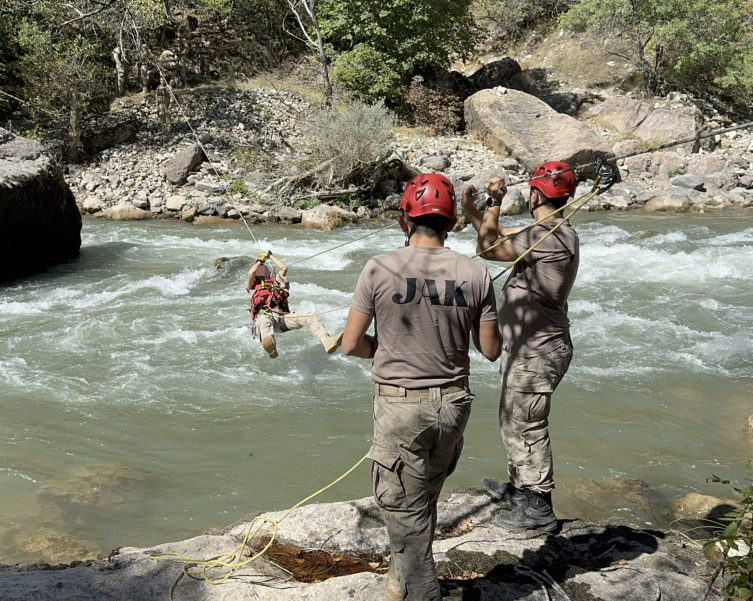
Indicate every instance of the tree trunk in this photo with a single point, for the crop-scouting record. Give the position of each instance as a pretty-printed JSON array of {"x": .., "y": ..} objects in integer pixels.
[
  {"x": 322, "y": 55},
  {"x": 74, "y": 132}
]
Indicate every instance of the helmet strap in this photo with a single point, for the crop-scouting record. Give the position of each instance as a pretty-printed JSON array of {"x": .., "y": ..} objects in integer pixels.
[{"x": 409, "y": 234}]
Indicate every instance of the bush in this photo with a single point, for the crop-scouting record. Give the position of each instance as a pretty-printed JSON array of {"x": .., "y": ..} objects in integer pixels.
[
  {"x": 353, "y": 138},
  {"x": 238, "y": 186},
  {"x": 379, "y": 46},
  {"x": 511, "y": 17},
  {"x": 436, "y": 106}
]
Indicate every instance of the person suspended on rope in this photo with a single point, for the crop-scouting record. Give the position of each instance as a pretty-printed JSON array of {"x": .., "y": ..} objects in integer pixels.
[
  {"x": 270, "y": 310},
  {"x": 536, "y": 349},
  {"x": 425, "y": 301}
]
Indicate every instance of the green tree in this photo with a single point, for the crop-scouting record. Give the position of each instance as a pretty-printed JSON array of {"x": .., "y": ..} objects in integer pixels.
[
  {"x": 380, "y": 45},
  {"x": 688, "y": 41}
]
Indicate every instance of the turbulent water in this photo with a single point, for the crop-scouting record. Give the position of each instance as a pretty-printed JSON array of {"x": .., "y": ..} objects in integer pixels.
[{"x": 137, "y": 408}]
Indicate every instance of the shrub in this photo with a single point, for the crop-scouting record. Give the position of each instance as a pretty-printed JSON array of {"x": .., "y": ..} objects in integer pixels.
[
  {"x": 438, "y": 107},
  {"x": 352, "y": 137},
  {"x": 238, "y": 186},
  {"x": 736, "y": 537}
]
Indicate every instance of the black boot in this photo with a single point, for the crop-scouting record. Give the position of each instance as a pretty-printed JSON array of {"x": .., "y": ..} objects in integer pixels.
[
  {"x": 502, "y": 491},
  {"x": 529, "y": 510}
]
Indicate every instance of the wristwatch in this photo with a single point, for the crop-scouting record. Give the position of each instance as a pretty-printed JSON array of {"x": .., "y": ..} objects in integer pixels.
[{"x": 490, "y": 202}]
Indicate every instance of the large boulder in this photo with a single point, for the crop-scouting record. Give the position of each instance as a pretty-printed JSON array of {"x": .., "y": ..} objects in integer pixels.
[
  {"x": 185, "y": 161},
  {"x": 504, "y": 72},
  {"x": 649, "y": 124},
  {"x": 108, "y": 131},
  {"x": 40, "y": 224},
  {"x": 521, "y": 126},
  {"x": 326, "y": 217}
]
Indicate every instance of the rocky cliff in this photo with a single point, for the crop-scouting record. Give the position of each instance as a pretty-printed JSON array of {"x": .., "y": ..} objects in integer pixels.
[{"x": 40, "y": 224}]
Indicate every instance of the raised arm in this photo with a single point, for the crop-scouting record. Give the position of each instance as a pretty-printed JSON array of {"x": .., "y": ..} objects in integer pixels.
[
  {"x": 282, "y": 269},
  {"x": 251, "y": 275},
  {"x": 491, "y": 237}
]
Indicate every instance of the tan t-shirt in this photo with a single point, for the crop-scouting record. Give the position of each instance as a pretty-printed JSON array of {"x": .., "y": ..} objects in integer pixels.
[
  {"x": 533, "y": 303},
  {"x": 425, "y": 302}
]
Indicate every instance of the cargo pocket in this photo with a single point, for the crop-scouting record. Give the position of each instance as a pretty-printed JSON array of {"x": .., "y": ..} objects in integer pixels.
[{"x": 386, "y": 478}]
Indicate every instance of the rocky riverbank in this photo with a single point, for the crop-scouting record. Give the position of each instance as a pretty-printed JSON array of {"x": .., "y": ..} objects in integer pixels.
[
  {"x": 241, "y": 141},
  {"x": 340, "y": 551}
]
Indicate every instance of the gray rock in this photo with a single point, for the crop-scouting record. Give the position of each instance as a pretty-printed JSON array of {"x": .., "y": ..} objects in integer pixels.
[
  {"x": 746, "y": 181},
  {"x": 175, "y": 203},
  {"x": 674, "y": 200},
  {"x": 289, "y": 215},
  {"x": 437, "y": 162},
  {"x": 464, "y": 175},
  {"x": 690, "y": 182},
  {"x": 189, "y": 214},
  {"x": 221, "y": 210},
  {"x": 641, "y": 565},
  {"x": 326, "y": 217},
  {"x": 624, "y": 147},
  {"x": 140, "y": 203},
  {"x": 514, "y": 203},
  {"x": 40, "y": 223},
  {"x": 569, "y": 103},
  {"x": 510, "y": 164},
  {"x": 387, "y": 187},
  {"x": 205, "y": 137},
  {"x": 665, "y": 164},
  {"x": 92, "y": 204},
  {"x": 523, "y": 127},
  {"x": 206, "y": 209},
  {"x": 505, "y": 72},
  {"x": 391, "y": 203},
  {"x": 185, "y": 161},
  {"x": 651, "y": 125},
  {"x": 233, "y": 214},
  {"x": 210, "y": 187}
]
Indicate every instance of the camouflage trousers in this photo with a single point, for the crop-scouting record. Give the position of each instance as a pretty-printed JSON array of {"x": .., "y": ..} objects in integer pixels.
[
  {"x": 269, "y": 325},
  {"x": 527, "y": 387},
  {"x": 418, "y": 437}
]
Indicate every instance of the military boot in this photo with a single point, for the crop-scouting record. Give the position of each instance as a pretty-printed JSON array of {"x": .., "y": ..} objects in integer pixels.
[
  {"x": 332, "y": 343},
  {"x": 393, "y": 591},
  {"x": 529, "y": 510},
  {"x": 268, "y": 344},
  {"x": 502, "y": 491}
]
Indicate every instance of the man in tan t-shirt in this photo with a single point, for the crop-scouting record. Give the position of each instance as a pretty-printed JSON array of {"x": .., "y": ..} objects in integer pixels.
[
  {"x": 537, "y": 349},
  {"x": 425, "y": 300}
]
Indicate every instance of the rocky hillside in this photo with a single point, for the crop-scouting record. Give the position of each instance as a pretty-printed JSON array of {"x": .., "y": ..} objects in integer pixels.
[{"x": 241, "y": 141}]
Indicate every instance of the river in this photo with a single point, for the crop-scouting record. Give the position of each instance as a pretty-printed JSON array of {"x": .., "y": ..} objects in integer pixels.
[{"x": 137, "y": 409}]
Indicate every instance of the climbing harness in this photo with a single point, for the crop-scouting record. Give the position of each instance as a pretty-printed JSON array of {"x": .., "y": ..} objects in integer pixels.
[{"x": 269, "y": 297}]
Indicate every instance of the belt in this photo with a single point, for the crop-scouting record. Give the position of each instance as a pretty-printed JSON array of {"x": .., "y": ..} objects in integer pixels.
[{"x": 387, "y": 390}]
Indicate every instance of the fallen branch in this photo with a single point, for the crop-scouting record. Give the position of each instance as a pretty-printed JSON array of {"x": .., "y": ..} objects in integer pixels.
[{"x": 291, "y": 180}]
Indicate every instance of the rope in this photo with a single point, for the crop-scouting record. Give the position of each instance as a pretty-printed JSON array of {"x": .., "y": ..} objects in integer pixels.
[
  {"x": 343, "y": 244},
  {"x": 530, "y": 225},
  {"x": 590, "y": 194},
  {"x": 296, "y": 314},
  {"x": 231, "y": 561}
]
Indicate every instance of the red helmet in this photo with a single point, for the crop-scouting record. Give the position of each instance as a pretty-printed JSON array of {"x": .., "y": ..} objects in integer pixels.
[
  {"x": 430, "y": 194},
  {"x": 560, "y": 185}
]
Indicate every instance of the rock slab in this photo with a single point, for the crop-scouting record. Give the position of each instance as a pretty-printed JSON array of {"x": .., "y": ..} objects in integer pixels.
[
  {"x": 518, "y": 125},
  {"x": 40, "y": 224},
  {"x": 326, "y": 217},
  {"x": 185, "y": 161}
]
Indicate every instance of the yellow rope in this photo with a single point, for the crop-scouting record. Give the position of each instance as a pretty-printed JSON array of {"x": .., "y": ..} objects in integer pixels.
[
  {"x": 295, "y": 314},
  {"x": 530, "y": 225},
  {"x": 231, "y": 560}
]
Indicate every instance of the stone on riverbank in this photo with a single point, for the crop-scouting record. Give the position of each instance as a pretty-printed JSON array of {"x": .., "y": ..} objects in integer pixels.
[
  {"x": 40, "y": 224},
  {"x": 588, "y": 561},
  {"x": 674, "y": 200},
  {"x": 701, "y": 507},
  {"x": 124, "y": 211},
  {"x": 521, "y": 126},
  {"x": 185, "y": 161},
  {"x": 326, "y": 217}
]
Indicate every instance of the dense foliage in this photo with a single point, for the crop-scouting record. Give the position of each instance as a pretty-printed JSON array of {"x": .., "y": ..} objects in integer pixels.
[
  {"x": 380, "y": 45},
  {"x": 696, "y": 42}
]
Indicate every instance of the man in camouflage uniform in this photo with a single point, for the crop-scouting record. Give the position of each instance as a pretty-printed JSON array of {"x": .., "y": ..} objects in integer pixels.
[
  {"x": 204, "y": 58},
  {"x": 164, "y": 102},
  {"x": 168, "y": 63},
  {"x": 537, "y": 349},
  {"x": 121, "y": 70},
  {"x": 183, "y": 49},
  {"x": 425, "y": 300}
]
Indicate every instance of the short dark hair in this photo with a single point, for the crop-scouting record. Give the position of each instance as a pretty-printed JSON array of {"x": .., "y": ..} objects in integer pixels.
[
  {"x": 432, "y": 226},
  {"x": 557, "y": 203}
]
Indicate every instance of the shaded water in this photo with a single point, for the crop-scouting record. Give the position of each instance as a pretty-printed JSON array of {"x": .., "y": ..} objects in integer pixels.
[{"x": 137, "y": 409}]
